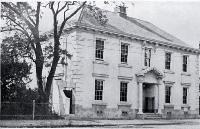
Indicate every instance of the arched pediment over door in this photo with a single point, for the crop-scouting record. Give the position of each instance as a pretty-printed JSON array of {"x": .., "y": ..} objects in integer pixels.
[{"x": 149, "y": 75}]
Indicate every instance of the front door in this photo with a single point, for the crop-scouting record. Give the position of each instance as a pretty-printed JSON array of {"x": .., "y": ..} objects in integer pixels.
[{"x": 149, "y": 104}]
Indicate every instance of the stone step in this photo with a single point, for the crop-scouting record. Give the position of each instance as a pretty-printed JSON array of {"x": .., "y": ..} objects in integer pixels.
[{"x": 152, "y": 116}]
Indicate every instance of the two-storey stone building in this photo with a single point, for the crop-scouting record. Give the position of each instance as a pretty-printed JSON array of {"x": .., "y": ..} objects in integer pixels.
[{"x": 126, "y": 68}]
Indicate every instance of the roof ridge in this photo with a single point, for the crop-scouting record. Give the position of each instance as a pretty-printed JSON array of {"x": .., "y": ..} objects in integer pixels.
[
  {"x": 81, "y": 14},
  {"x": 145, "y": 27}
]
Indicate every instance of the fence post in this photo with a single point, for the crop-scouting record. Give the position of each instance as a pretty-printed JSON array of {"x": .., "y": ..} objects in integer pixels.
[{"x": 33, "y": 109}]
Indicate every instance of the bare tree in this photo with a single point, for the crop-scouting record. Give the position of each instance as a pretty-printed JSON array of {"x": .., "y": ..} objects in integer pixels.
[{"x": 24, "y": 19}]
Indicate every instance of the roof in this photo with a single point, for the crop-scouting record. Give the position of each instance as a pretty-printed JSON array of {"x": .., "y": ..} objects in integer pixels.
[{"x": 124, "y": 25}]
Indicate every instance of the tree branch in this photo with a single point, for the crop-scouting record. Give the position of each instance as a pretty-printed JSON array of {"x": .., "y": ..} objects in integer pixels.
[
  {"x": 15, "y": 22},
  {"x": 29, "y": 15},
  {"x": 65, "y": 20},
  {"x": 51, "y": 7},
  {"x": 37, "y": 15},
  {"x": 58, "y": 11},
  {"x": 32, "y": 28},
  {"x": 58, "y": 6}
]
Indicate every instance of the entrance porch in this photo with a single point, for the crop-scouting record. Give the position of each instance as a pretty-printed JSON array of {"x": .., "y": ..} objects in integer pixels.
[{"x": 149, "y": 91}]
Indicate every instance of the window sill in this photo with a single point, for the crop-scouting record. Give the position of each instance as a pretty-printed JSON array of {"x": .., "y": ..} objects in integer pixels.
[
  {"x": 99, "y": 102},
  {"x": 169, "y": 71},
  {"x": 185, "y": 105},
  {"x": 100, "y": 75},
  {"x": 124, "y": 104},
  {"x": 100, "y": 62},
  {"x": 185, "y": 74},
  {"x": 124, "y": 65},
  {"x": 168, "y": 105},
  {"x": 125, "y": 77},
  {"x": 186, "y": 84}
]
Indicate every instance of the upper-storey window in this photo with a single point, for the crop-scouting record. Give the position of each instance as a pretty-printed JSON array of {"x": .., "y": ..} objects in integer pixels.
[
  {"x": 99, "y": 49},
  {"x": 98, "y": 89},
  {"x": 185, "y": 62},
  {"x": 124, "y": 52},
  {"x": 123, "y": 91},
  {"x": 167, "y": 60},
  {"x": 147, "y": 57}
]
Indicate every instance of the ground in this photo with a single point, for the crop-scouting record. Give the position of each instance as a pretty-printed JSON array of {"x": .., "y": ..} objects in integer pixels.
[{"x": 157, "y": 124}]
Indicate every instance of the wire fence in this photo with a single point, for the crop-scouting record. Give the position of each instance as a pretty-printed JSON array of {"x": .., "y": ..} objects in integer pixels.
[{"x": 23, "y": 110}]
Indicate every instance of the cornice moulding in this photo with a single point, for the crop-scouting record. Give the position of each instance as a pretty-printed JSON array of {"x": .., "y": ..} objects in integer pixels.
[{"x": 135, "y": 37}]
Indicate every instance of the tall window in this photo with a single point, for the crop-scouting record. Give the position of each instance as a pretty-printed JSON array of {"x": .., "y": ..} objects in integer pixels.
[
  {"x": 98, "y": 89},
  {"x": 167, "y": 60},
  {"x": 199, "y": 87},
  {"x": 185, "y": 61},
  {"x": 123, "y": 91},
  {"x": 185, "y": 95},
  {"x": 167, "y": 94},
  {"x": 99, "y": 49},
  {"x": 147, "y": 57},
  {"x": 124, "y": 52}
]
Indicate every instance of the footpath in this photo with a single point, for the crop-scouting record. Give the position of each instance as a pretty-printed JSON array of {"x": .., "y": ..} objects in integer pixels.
[{"x": 90, "y": 123}]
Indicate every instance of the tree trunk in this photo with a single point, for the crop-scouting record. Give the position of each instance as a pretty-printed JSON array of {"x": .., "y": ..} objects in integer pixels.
[
  {"x": 53, "y": 68},
  {"x": 39, "y": 69}
]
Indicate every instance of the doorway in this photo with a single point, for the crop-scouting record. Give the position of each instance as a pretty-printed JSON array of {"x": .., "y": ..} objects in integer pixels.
[
  {"x": 149, "y": 104},
  {"x": 148, "y": 98}
]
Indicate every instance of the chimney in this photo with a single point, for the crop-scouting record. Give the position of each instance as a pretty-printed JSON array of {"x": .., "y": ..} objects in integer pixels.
[{"x": 121, "y": 10}]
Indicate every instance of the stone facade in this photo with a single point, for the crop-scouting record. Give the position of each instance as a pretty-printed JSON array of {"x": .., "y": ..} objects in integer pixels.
[{"x": 145, "y": 84}]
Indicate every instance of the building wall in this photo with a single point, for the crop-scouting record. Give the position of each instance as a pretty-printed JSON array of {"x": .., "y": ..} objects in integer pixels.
[{"x": 84, "y": 70}]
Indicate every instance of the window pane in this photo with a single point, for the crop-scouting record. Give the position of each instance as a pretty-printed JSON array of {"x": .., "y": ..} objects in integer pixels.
[
  {"x": 167, "y": 94},
  {"x": 124, "y": 53},
  {"x": 123, "y": 91},
  {"x": 99, "y": 49},
  {"x": 98, "y": 89},
  {"x": 184, "y": 95},
  {"x": 147, "y": 57},
  {"x": 167, "y": 60},
  {"x": 185, "y": 63}
]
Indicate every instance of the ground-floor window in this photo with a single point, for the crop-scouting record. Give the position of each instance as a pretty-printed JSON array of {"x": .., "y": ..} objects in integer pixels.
[
  {"x": 167, "y": 94},
  {"x": 123, "y": 91},
  {"x": 185, "y": 95},
  {"x": 98, "y": 89}
]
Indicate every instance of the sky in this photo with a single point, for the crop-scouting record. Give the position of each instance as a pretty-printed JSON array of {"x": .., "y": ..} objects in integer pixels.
[{"x": 181, "y": 19}]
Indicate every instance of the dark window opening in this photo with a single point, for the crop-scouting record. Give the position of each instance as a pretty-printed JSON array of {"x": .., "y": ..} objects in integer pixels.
[
  {"x": 185, "y": 61},
  {"x": 124, "y": 53},
  {"x": 167, "y": 94},
  {"x": 124, "y": 113},
  {"x": 99, "y": 49},
  {"x": 98, "y": 89},
  {"x": 167, "y": 60},
  {"x": 147, "y": 57},
  {"x": 184, "y": 95},
  {"x": 123, "y": 91},
  {"x": 99, "y": 112}
]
